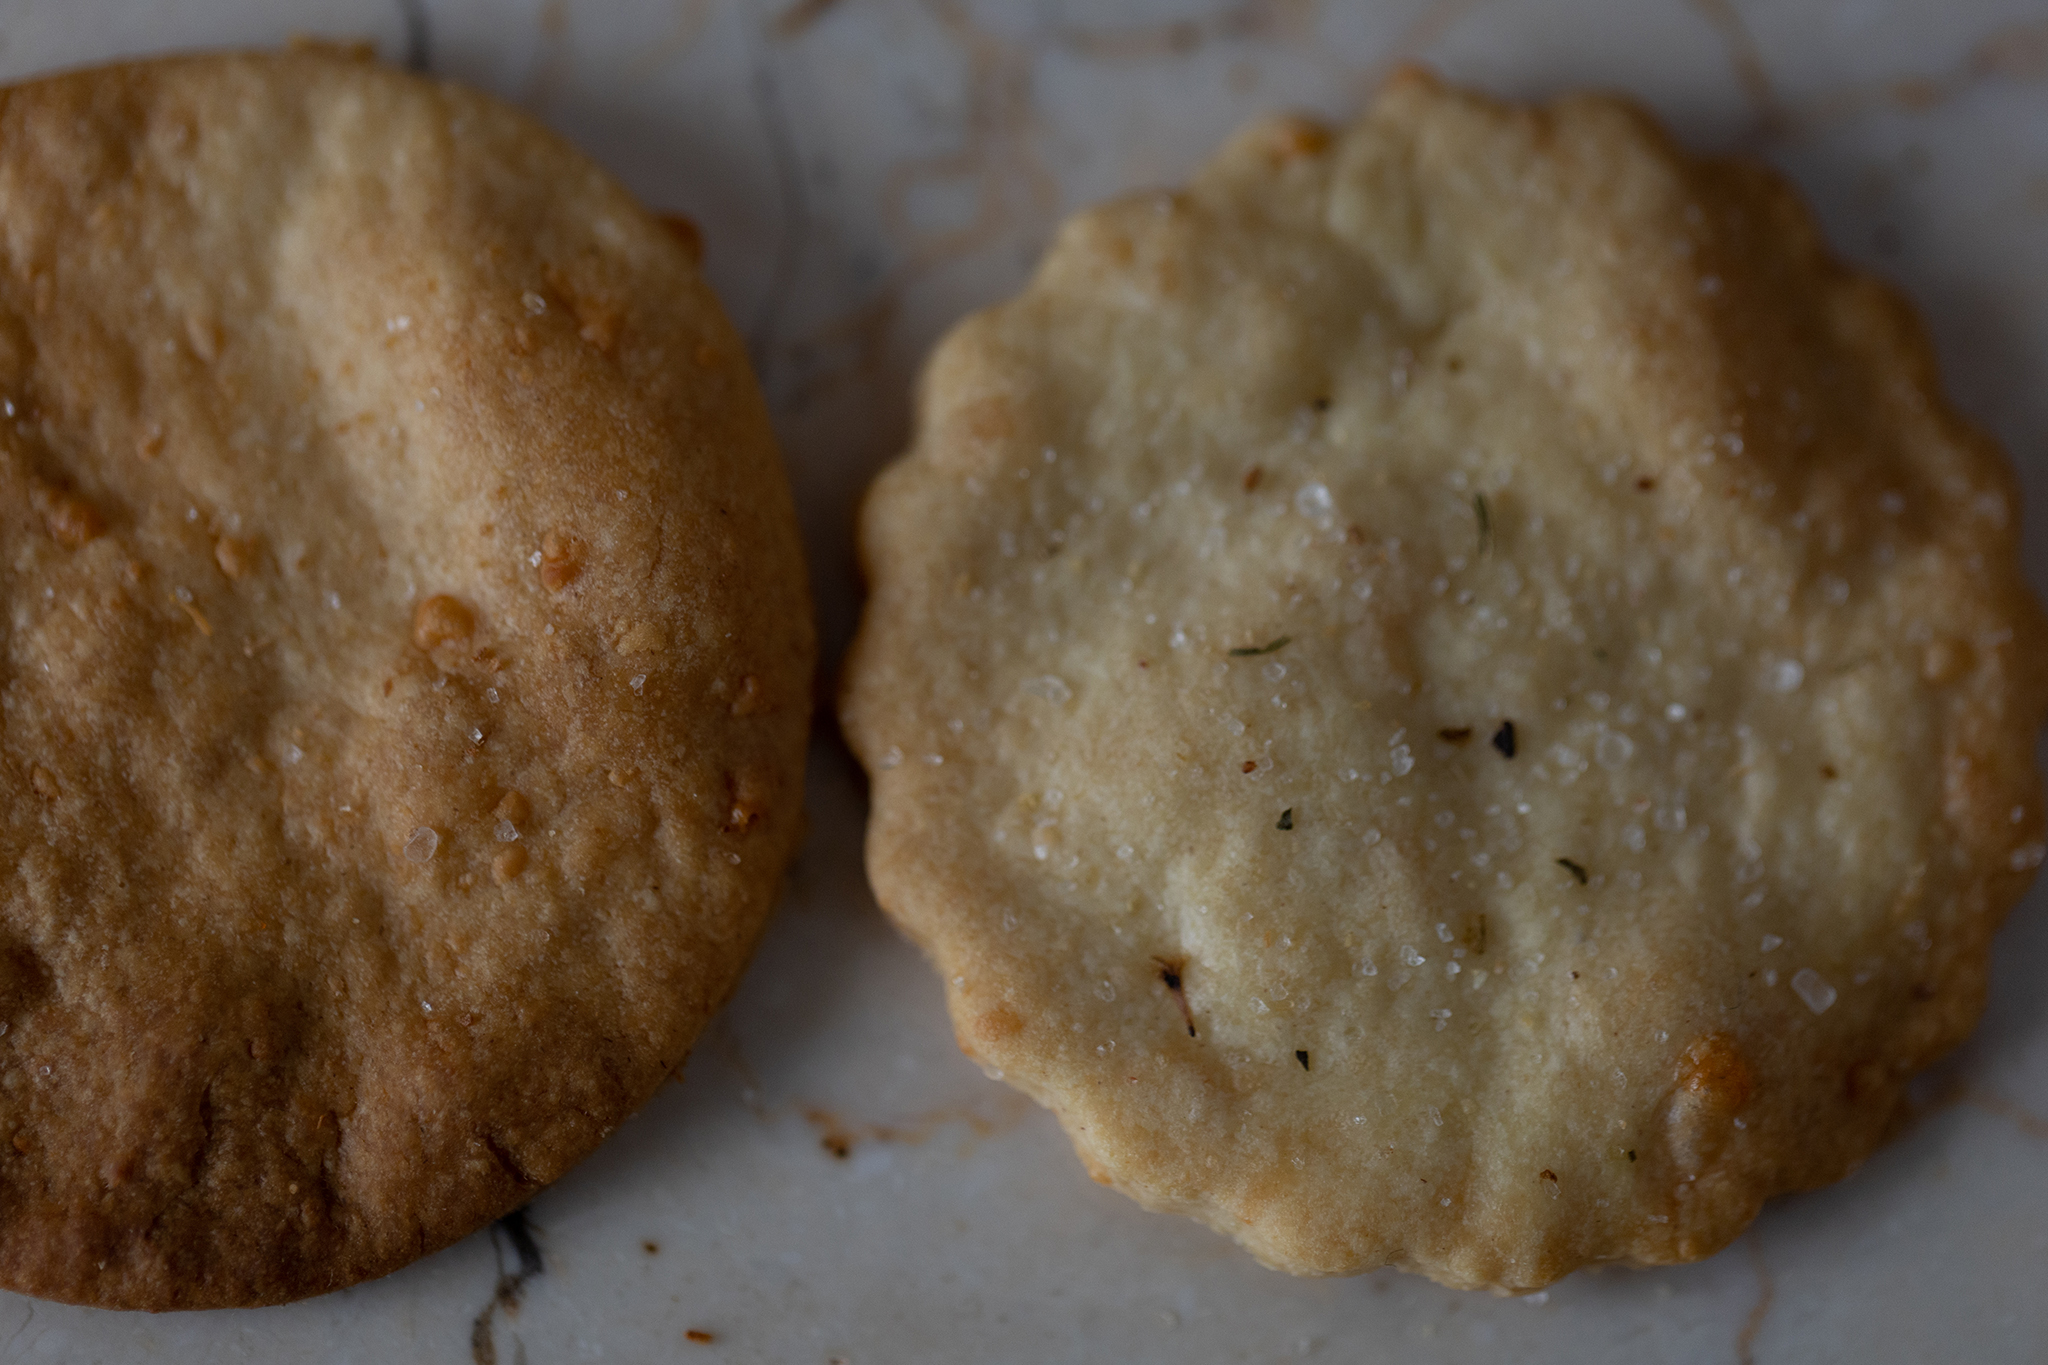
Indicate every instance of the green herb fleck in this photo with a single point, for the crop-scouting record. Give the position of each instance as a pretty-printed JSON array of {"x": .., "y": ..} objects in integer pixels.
[
  {"x": 1286, "y": 819},
  {"x": 1568, "y": 865},
  {"x": 1245, "y": 651},
  {"x": 1301, "y": 1057},
  {"x": 1484, "y": 515}
]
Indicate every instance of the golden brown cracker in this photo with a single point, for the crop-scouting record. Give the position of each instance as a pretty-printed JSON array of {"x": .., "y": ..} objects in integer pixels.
[{"x": 379, "y": 571}]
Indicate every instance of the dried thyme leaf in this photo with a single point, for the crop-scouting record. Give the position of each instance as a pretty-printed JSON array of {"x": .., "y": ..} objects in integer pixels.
[
  {"x": 1245, "y": 651},
  {"x": 1286, "y": 819},
  {"x": 1484, "y": 515},
  {"x": 1568, "y": 865}
]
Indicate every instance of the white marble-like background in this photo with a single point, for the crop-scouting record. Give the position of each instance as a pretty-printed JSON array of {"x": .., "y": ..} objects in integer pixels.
[{"x": 866, "y": 171}]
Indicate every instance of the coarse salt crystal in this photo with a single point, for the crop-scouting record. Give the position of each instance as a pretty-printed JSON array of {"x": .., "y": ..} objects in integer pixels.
[
  {"x": 1313, "y": 501},
  {"x": 421, "y": 846},
  {"x": 1814, "y": 989},
  {"x": 1050, "y": 687}
]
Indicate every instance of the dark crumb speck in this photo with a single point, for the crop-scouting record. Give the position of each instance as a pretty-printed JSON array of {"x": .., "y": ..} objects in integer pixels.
[
  {"x": 651, "y": 1248},
  {"x": 1252, "y": 477},
  {"x": 1645, "y": 485},
  {"x": 1169, "y": 976},
  {"x": 700, "y": 1336},
  {"x": 1301, "y": 1057},
  {"x": 1320, "y": 403},
  {"x": 1631, "y": 1154},
  {"x": 1504, "y": 739},
  {"x": 1286, "y": 819},
  {"x": 1251, "y": 765},
  {"x": 1578, "y": 872},
  {"x": 1827, "y": 770}
]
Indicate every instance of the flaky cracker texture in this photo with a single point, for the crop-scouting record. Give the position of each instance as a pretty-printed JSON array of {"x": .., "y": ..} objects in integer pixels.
[
  {"x": 406, "y": 671},
  {"x": 1452, "y": 695}
]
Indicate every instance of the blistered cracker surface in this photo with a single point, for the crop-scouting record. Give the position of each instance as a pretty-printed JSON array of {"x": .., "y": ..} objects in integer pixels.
[
  {"x": 1463, "y": 417},
  {"x": 406, "y": 668}
]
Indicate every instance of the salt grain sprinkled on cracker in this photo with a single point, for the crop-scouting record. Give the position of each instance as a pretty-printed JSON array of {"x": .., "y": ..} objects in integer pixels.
[{"x": 1814, "y": 989}]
